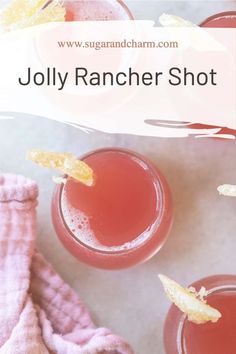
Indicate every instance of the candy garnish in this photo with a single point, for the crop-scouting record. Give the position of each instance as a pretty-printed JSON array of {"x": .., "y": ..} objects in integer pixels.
[
  {"x": 66, "y": 163},
  {"x": 25, "y": 13},
  {"x": 190, "y": 302}
]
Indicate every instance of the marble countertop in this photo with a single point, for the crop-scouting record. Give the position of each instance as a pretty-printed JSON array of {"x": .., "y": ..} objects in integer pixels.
[{"x": 202, "y": 241}]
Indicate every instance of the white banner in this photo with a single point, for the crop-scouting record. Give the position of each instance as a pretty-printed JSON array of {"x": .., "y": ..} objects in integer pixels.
[{"x": 122, "y": 76}]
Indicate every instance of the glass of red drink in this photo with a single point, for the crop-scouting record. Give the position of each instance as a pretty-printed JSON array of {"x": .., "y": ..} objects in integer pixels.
[
  {"x": 91, "y": 10},
  {"x": 123, "y": 219},
  {"x": 221, "y": 20},
  {"x": 184, "y": 337}
]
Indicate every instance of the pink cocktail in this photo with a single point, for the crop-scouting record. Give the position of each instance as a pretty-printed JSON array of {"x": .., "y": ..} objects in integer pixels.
[
  {"x": 102, "y": 10},
  {"x": 123, "y": 219},
  {"x": 184, "y": 337}
]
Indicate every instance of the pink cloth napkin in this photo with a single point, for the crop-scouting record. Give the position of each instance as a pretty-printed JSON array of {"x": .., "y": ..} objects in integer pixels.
[{"x": 39, "y": 313}]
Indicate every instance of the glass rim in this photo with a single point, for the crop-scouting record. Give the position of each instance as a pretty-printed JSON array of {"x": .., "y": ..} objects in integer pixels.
[
  {"x": 180, "y": 330},
  {"x": 159, "y": 193},
  {"x": 218, "y": 15},
  {"x": 126, "y": 8}
]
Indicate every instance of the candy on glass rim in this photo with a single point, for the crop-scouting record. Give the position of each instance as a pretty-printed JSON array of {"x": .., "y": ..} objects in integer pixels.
[
  {"x": 123, "y": 220},
  {"x": 65, "y": 163},
  {"x": 183, "y": 336},
  {"x": 190, "y": 302},
  {"x": 25, "y": 13}
]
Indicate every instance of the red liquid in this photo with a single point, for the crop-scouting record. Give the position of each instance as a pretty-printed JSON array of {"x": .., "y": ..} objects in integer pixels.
[
  {"x": 222, "y": 20},
  {"x": 91, "y": 10},
  {"x": 120, "y": 221},
  {"x": 122, "y": 204},
  {"x": 217, "y": 338},
  {"x": 184, "y": 337}
]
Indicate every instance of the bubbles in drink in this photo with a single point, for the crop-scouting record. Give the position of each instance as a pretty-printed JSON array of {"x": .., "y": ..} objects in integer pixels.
[{"x": 79, "y": 224}]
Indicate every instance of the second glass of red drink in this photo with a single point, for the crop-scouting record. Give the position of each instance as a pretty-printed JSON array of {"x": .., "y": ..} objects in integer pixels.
[{"x": 184, "y": 337}]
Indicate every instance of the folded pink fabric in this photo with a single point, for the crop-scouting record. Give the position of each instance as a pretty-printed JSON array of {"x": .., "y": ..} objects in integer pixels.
[{"x": 39, "y": 313}]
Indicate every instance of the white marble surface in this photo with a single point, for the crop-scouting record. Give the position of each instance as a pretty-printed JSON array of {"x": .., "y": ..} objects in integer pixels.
[{"x": 202, "y": 241}]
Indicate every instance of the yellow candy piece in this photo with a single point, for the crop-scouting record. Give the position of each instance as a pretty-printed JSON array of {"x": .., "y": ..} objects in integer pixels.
[
  {"x": 167, "y": 20},
  {"x": 65, "y": 163},
  {"x": 26, "y": 13},
  {"x": 189, "y": 302},
  {"x": 228, "y": 190}
]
